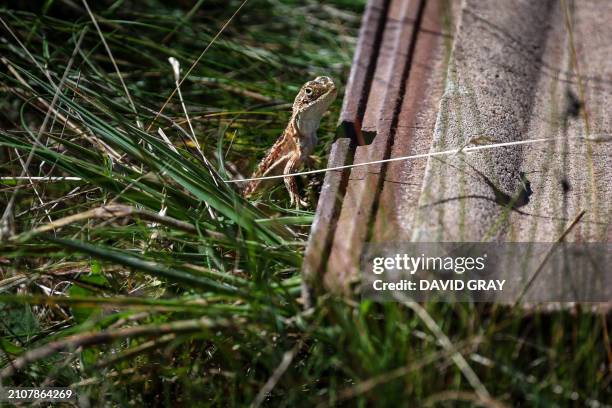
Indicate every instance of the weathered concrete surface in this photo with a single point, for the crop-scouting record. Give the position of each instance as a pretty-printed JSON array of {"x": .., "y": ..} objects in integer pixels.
[
  {"x": 569, "y": 173},
  {"x": 512, "y": 77},
  {"x": 483, "y": 73},
  {"x": 489, "y": 92}
]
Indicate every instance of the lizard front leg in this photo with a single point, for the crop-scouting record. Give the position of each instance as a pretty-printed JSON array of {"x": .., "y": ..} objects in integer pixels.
[{"x": 294, "y": 196}]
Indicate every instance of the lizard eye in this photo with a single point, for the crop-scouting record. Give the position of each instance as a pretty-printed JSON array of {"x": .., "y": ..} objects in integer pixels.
[{"x": 308, "y": 91}]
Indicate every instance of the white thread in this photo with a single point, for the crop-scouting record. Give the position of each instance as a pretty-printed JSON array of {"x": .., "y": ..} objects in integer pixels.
[
  {"x": 348, "y": 166},
  {"x": 416, "y": 156},
  {"x": 46, "y": 178}
]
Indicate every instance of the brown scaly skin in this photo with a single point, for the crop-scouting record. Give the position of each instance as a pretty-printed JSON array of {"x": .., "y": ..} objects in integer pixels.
[{"x": 298, "y": 140}]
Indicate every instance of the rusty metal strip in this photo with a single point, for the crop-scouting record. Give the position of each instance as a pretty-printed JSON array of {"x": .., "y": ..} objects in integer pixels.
[
  {"x": 402, "y": 183},
  {"x": 396, "y": 24},
  {"x": 323, "y": 226},
  {"x": 364, "y": 183},
  {"x": 353, "y": 107},
  {"x": 362, "y": 71}
]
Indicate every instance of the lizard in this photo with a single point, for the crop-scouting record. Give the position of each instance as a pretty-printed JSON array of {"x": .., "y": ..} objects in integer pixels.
[{"x": 297, "y": 141}]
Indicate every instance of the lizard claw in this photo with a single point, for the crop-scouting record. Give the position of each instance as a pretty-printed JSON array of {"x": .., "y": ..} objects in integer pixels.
[{"x": 295, "y": 199}]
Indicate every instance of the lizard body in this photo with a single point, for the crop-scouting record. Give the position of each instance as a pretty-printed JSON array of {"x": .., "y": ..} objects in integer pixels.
[{"x": 298, "y": 140}]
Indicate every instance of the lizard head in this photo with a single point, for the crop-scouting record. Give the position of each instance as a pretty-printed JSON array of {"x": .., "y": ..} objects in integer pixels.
[{"x": 312, "y": 102}]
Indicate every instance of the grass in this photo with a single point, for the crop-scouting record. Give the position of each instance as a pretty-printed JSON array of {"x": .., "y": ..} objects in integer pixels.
[{"x": 181, "y": 292}]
